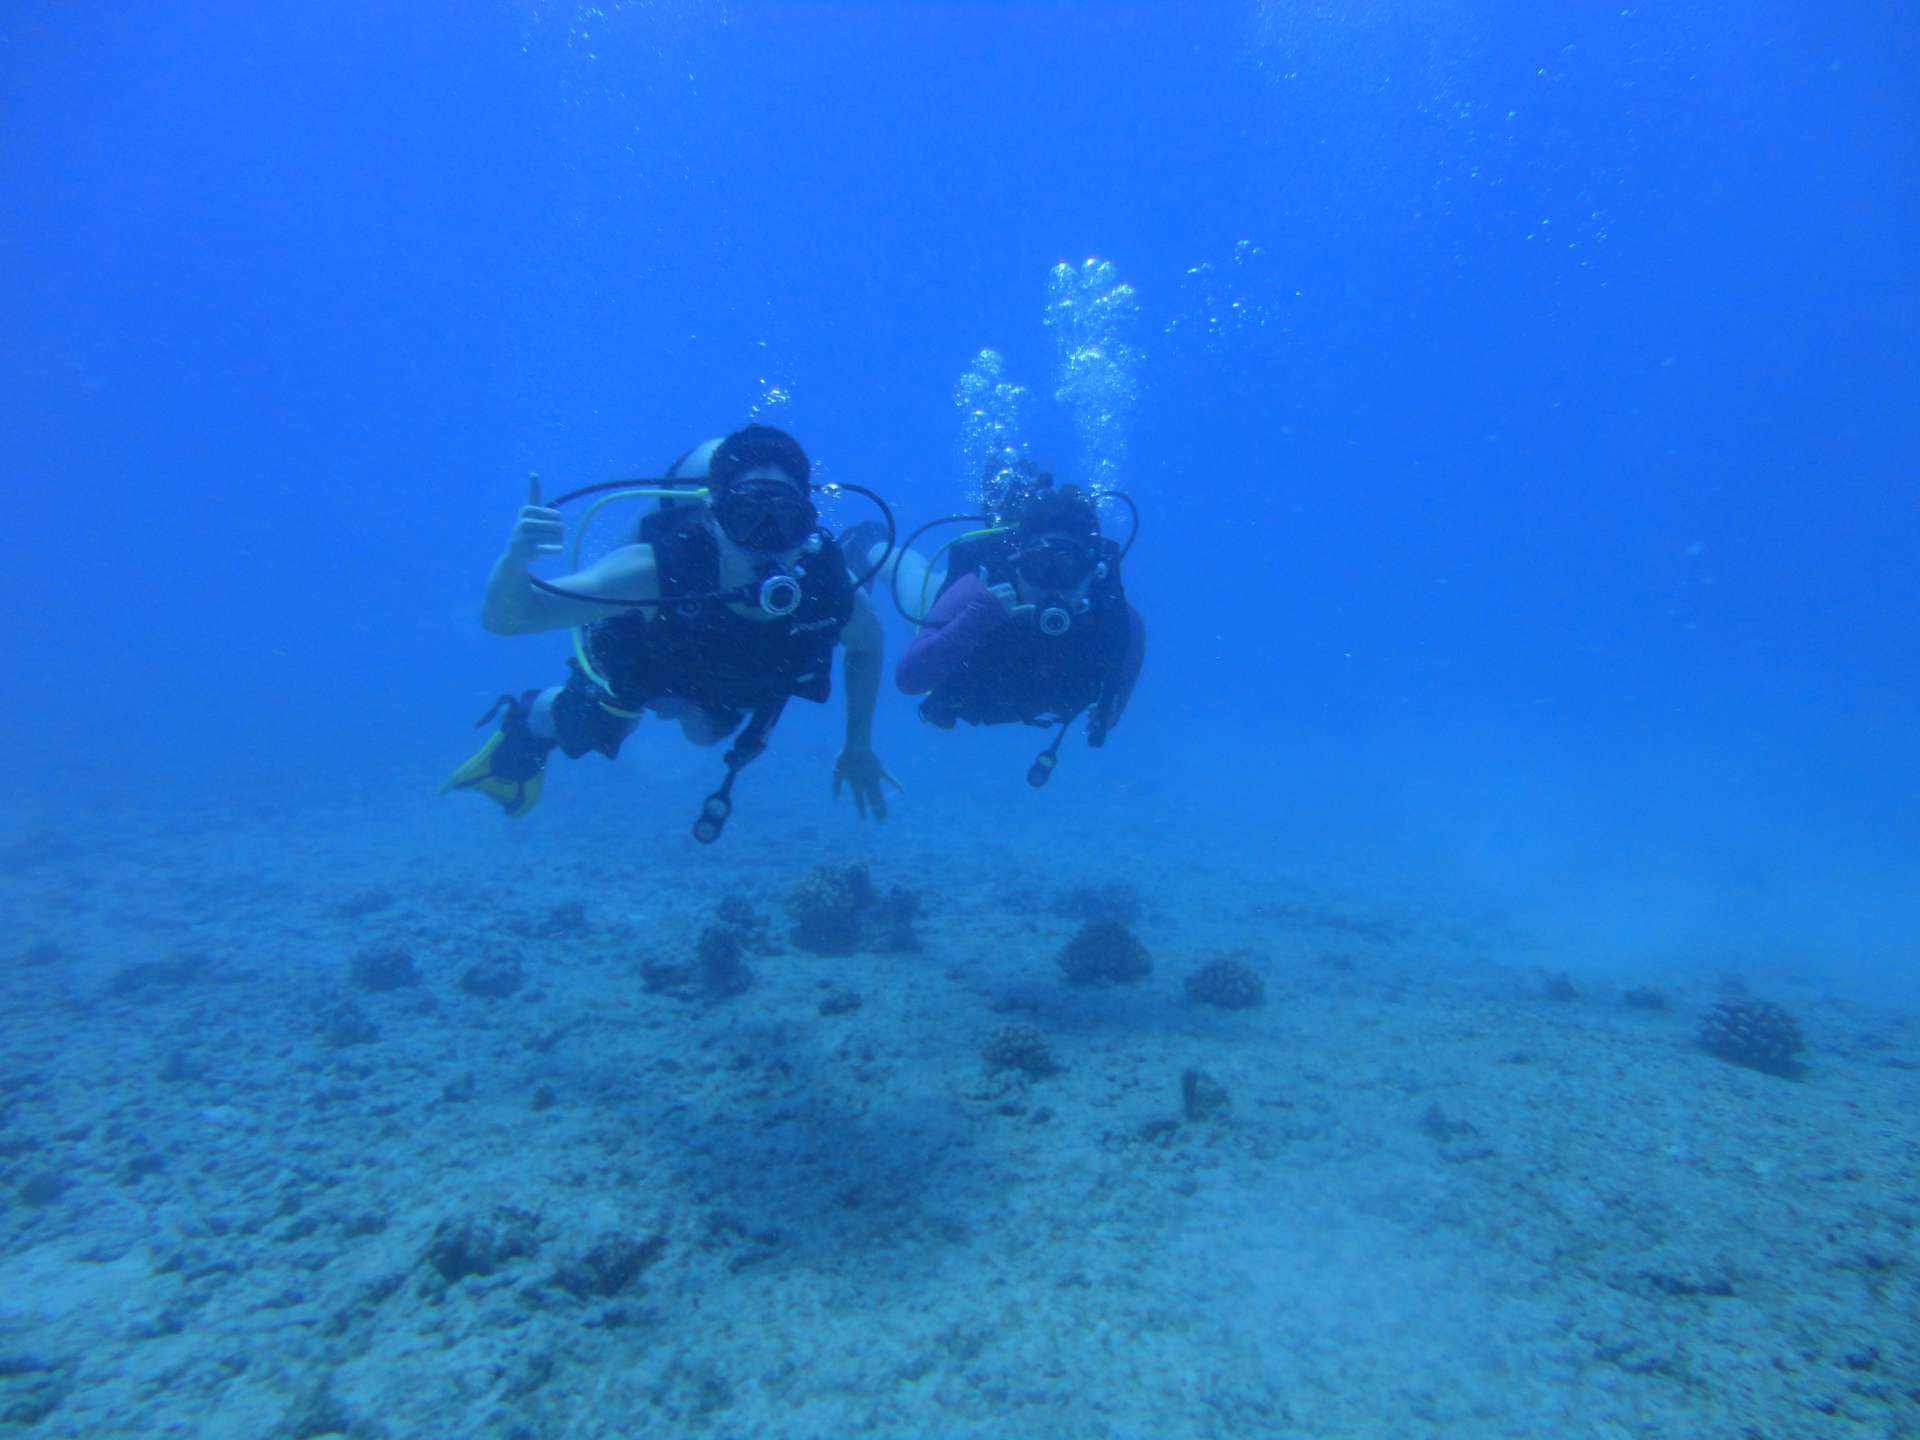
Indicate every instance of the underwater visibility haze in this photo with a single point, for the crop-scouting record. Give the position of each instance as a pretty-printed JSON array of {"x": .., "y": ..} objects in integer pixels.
[{"x": 1470, "y": 991}]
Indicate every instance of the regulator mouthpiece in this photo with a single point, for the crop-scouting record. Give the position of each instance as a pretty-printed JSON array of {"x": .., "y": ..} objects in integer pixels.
[{"x": 1055, "y": 621}]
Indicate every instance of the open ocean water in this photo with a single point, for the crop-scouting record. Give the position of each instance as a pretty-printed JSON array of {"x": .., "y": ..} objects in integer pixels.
[{"x": 1473, "y": 992}]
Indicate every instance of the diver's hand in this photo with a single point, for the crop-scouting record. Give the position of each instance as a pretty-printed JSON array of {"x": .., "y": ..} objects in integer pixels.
[
  {"x": 862, "y": 770},
  {"x": 1009, "y": 599},
  {"x": 538, "y": 530}
]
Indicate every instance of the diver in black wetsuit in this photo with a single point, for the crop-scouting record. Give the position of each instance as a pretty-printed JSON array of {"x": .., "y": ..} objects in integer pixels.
[
  {"x": 1008, "y": 485},
  {"x": 728, "y": 604},
  {"x": 1033, "y": 628},
  {"x": 1029, "y": 623}
]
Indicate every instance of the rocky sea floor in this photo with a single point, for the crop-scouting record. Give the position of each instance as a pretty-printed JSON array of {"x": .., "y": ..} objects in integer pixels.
[{"x": 439, "y": 1127}]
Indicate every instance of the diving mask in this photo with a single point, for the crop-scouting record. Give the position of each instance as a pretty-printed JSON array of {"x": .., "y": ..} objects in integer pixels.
[
  {"x": 765, "y": 516},
  {"x": 1057, "y": 562}
]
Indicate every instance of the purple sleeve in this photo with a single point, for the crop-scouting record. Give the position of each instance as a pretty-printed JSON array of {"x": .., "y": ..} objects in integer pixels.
[{"x": 958, "y": 622}]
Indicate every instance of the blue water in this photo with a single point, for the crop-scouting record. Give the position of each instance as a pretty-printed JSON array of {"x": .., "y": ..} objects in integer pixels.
[
  {"x": 1520, "y": 400},
  {"x": 1535, "y": 477}
]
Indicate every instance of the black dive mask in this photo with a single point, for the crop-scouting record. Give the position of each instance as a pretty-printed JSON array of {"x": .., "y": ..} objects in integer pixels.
[
  {"x": 766, "y": 517},
  {"x": 1057, "y": 563}
]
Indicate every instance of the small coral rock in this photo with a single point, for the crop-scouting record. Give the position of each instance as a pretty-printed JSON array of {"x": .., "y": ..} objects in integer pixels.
[
  {"x": 826, "y": 908},
  {"x": 1018, "y": 1047},
  {"x": 1105, "y": 952},
  {"x": 723, "y": 967},
  {"x": 1202, "y": 1097},
  {"x": 495, "y": 979},
  {"x": 837, "y": 910},
  {"x": 609, "y": 1267},
  {"x": 44, "y": 1188},
  {"x": 1754, "y": 1033},
  {"x": 477, "y": 1245},
  {"x": 840, "y": 1002},
  {"x": 384, "y": 970},
  {"x": 1226, "y": 983},
  {"x": 736, "y": 913},
  {"x": 892, "y": 923},
  {"x": 346, "y": 1025}
]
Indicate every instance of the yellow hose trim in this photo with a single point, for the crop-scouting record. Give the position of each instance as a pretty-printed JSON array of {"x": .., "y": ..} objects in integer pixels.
[
  {"x": 926, "y": 580},
  {"x": 579, "y": 632}
]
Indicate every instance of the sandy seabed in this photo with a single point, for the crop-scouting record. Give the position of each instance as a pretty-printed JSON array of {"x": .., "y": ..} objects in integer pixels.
[{"x": 245, "y": 1195}]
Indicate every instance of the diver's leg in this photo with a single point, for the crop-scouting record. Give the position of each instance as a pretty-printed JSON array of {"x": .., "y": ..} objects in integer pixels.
[
  {"x": 510, "y": 767},
  {"x": 702, "y": 726},
  {"x": 540, "y": 714},
  {"x": 581, "y": 717}
]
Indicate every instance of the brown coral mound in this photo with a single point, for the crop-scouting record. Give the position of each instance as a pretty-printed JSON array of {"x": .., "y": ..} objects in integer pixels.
[
  {"x": 1018, "y": 1047},
  {"x": 1755, "y": 1033},
  {"x": 837, "y": 910},
  {"x": 1105, "y": 952},
  {"x": 1228, "y": 983}
]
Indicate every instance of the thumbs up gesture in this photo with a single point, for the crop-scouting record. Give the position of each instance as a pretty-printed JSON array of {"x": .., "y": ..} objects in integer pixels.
[{"x": 538, "y": 529}]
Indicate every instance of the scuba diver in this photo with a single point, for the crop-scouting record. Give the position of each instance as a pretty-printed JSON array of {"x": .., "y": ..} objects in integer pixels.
[
  {"x": 1006, "y": 487},
  {"x": 728, "y": 603},
  {"x": 1030, "y": 623}
]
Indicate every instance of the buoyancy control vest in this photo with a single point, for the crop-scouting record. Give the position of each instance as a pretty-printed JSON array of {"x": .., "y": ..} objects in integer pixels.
[
  {"x": 701, "y": 650},
  {"x": 1019, "y": 674}
]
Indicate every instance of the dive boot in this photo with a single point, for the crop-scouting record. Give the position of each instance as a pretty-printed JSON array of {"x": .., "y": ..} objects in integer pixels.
[{"x": 510, "y": 767}]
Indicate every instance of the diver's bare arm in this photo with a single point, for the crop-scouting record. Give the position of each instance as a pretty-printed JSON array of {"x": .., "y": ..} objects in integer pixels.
[
  {"x": 866, "y": 658},
  {"x": 515, "y": 606}
]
